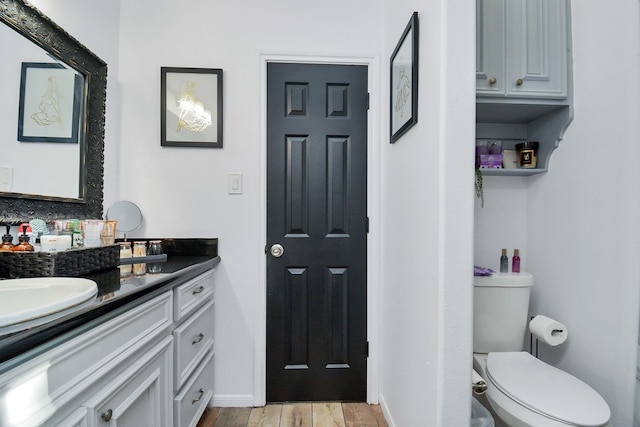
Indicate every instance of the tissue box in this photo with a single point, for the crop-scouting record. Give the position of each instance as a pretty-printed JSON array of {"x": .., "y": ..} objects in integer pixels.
[{"x": 489, "y": 161}]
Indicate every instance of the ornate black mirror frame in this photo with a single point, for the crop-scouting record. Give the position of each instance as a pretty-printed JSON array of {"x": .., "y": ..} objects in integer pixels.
[{"x": 38, "y": 28}]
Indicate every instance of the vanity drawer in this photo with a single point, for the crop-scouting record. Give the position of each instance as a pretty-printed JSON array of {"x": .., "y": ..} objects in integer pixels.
[
  {"x": 191, "y": 402},
  {"x": 193, "y": 294},
  {"x": 193, "y": 339}
]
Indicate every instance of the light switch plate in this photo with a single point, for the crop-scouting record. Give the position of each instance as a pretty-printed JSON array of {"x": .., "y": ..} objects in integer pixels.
[
  {"x": 235, "y": 183},
  {"x": 6, "y": 179}
]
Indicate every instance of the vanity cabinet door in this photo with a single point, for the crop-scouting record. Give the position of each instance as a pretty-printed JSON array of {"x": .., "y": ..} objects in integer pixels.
[
  {"x": 79, "y": 418},
  {"x": 522, "y": 49},
  {"x": 139, "y": 395}
]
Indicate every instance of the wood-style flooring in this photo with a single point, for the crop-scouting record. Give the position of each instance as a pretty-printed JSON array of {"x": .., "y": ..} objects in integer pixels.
[{"x": 316, "y": 414}]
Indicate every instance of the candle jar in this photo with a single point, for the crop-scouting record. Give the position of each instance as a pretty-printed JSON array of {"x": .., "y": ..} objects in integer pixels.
[{"x": 527, "y": 154}]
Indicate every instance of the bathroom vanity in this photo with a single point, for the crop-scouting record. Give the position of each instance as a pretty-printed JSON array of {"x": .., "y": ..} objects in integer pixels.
[{"x": 141, "y": 354}]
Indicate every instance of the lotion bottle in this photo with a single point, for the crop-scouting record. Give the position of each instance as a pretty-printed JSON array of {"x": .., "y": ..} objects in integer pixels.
[
  {"x": 7, "y": 240},
  {"x": 504, "y": 262},
  {"x": 515, "y": 267}
]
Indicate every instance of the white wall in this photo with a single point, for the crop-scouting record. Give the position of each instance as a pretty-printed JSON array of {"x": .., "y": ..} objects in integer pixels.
[
  {"x": 427, "y": 222},
  {"x": 577, "y": 225}
]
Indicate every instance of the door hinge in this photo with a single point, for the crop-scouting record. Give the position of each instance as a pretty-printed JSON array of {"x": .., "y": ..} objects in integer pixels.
[
  {"x": 366, "y": 224},
  {"x": 367, "y": 348},
  {"x": 368, "y": 101}
]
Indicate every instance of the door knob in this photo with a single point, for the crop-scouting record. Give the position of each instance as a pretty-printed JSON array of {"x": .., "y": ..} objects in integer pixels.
[{"x": 277, "y": 250}]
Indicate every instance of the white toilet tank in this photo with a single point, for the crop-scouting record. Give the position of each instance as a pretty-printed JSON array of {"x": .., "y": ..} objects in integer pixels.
[{"x": 500, "y": 311}]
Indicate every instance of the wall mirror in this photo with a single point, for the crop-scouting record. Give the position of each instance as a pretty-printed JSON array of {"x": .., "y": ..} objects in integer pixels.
[{"x": 51, "y": 120}]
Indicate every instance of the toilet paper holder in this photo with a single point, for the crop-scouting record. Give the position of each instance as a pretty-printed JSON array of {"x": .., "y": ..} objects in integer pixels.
[{"x": 550, "y": 331}]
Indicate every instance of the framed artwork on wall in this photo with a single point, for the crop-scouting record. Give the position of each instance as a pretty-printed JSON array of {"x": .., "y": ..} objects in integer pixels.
[
  {"x": 50, "y": 103},
  {"x": 404, "y": 81},
  {"x": 191, "y": 107}
]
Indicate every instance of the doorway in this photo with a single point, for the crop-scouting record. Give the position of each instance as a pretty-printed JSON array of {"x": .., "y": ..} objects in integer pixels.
[{"x": 316, "y": 334}]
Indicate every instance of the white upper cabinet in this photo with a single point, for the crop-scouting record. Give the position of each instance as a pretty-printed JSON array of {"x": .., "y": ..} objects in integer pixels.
[{"x": 522, "y": 49}]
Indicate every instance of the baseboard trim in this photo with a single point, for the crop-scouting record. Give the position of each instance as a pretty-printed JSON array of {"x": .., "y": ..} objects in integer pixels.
[
  {"x": 385, "y": 411},
  {"x": 232, "y": 401}
]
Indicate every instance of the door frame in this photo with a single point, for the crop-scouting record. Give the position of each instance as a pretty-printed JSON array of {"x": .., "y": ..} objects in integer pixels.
[{"x": 373, "y": 211}]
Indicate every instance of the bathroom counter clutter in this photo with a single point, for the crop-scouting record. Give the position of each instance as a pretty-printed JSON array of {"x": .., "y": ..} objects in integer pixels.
[{"x": 115, "y": 296}]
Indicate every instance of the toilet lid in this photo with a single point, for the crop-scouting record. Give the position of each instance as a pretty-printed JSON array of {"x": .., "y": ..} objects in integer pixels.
[{"x": 546, "y": 390}]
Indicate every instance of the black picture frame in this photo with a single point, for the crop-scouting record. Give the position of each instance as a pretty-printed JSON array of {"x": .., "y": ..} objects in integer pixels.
[
  {"x": 191, "y": 107},
  {"x": 404, "y": 81},
  {"x": 51, "y": 98}
]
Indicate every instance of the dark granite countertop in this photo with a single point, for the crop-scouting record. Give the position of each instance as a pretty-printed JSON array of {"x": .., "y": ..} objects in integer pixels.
[{"x": 186, "y": 259}]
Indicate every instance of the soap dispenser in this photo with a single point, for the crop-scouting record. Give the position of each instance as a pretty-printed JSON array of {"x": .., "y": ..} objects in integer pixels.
[
  {"x": 23, "y": 242},
  {"x": 7, "y": 240}
]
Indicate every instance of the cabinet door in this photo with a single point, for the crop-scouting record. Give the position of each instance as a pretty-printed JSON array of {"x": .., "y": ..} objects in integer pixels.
[
  {"x": 139, "y": 396},
  {"x": 79, "y": 418},
  {"x": 537, "y": 48},
  {"x": 490, "y": 47}
]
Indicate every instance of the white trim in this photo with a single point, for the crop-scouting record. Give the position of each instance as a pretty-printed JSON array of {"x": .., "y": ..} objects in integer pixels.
[
  {"x": 231, "y": 401},
  {"x": 373, "y": 239}
]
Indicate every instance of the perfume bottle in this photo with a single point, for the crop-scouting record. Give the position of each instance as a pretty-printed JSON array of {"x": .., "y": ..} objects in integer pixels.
[
  {"x": 504, "y": 262},
  {"x": 515, "y": 266}
]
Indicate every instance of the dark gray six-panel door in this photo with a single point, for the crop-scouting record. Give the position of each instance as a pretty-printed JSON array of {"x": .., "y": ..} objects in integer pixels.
[{"x": 317, "y": 214}]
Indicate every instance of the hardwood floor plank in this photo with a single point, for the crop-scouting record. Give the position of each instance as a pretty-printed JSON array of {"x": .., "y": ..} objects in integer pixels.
[
  {"x": 358, "y": 415},
  {"x": 265, "y": 416},
  {"x": 209, "y": 417},
  {"x": 327, "y": 414},
  {"x": 296, "y": 415},
  {"x": 233, "y": 417},
  {"x": 377, "y": 413}
]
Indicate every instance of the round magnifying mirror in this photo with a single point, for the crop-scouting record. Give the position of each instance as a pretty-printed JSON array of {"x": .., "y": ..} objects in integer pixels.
[{"x": 127, "y": 214}]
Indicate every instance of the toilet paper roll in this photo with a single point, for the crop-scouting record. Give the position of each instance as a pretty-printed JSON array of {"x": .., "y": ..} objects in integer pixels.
[{"x": 549, "y": 331}]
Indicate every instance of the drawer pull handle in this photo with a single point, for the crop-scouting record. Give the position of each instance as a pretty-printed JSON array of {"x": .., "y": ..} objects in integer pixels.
[
  {"x": 107, "y": 415},
  {"x": 197, "y": 340},
  {"x": 198, "y": 290},
  {"x": 197, "y": 399}
]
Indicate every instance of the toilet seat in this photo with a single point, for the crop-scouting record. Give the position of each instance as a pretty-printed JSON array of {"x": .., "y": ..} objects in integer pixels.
[{"x": 546, "y": 390}]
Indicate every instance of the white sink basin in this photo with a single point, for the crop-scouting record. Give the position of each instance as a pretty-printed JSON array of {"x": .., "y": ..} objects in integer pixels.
[{"x": 23, "y": 300}]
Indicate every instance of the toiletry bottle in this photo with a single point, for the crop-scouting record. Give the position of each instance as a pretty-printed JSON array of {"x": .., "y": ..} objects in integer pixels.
[
  {"x": 23, "y": 242},
  {"x": 515, "y": 267},
  {"x": 504, "y": 262},
  {"x": 78, "y": 236},
  {"x": 7, "y": 241}
]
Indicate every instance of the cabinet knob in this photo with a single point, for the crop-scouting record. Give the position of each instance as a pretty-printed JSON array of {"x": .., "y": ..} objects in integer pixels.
[
  {"x": 107, "y": 415},
  {"x": 493, "y": 81},
  {"x": 519, "y": 82},
  {"x": 198, "y": 290}
]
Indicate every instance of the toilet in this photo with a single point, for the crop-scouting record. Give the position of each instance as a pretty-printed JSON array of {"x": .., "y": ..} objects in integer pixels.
[{"x": 522, "y": 390}]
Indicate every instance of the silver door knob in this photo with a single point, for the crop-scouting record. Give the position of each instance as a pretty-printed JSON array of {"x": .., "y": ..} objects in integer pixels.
[{"x": 277, "y": 250}]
